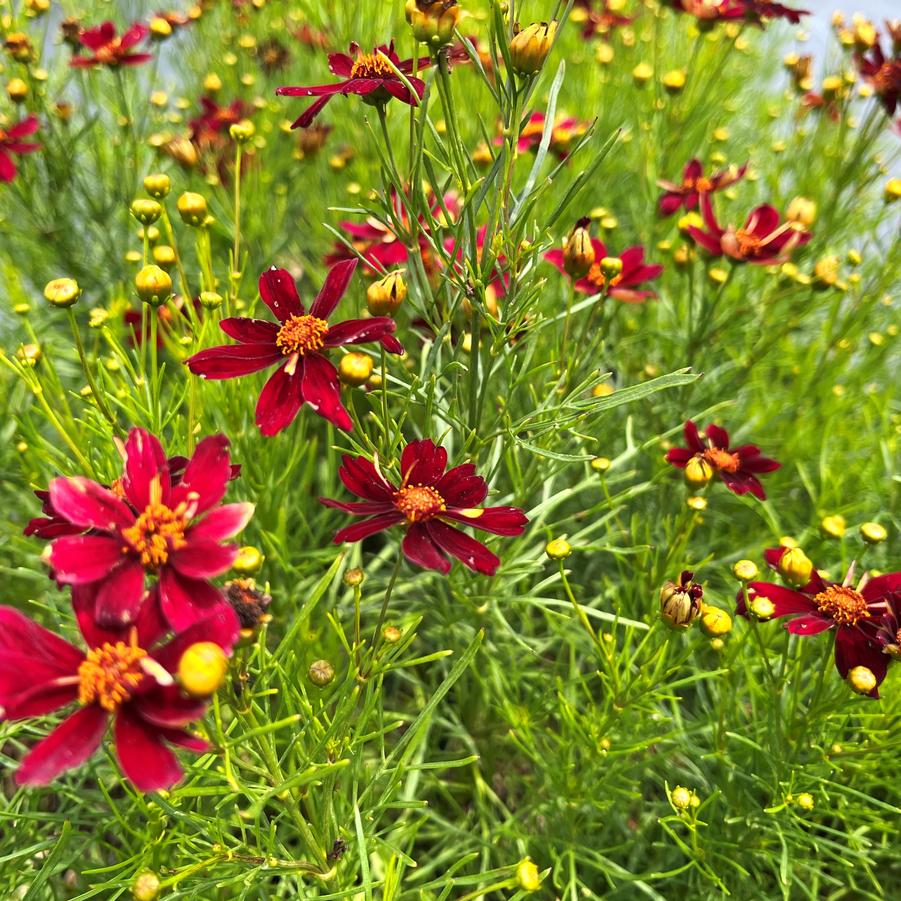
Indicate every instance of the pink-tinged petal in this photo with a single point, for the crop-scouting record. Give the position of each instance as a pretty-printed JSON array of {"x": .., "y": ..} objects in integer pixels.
[
  {"x": 321, "y": 390},
  {"x": 233, "y": 360},
  {"x": 854, "y": 648},
  {"x": 422, "y": 463},
  {"x": 133, "y": 36},
  {"x": 36, "y": 700},
  {"x": 679, "y": 456},
  {"x": 77, "y": 559},
  {"x": 18, "y": 633},
  {"x": 279, "y": 293},
  {"x": 149, "y": 622},
  {"x": 95, "y": 38},
  {"x": 507, "y": 521},
  {"x": 48, "y": 529},
  {"x": 719, "y": 436},
  {"x": 250, "y": 331},
  {"x": 756, "y": 463},
  {"x": 333, "y": 289},
  {"x": 877, "y": 588},
  {"x": 145, "y": 760},
  {"x": 360, "y": 331},
  {"x": 167, "y": 708},
  {"x": 461, "y": 487},
  {"x": 467, "y": 550},
  {"x": 89, "y": 505},
  {"x": 221, "y": 523},
  {"x": 763, "y": 221},
  {"x": 399, "y": 90},
  {"x": 785, "y": 600},
  {"x": 360, "y": 530},
  {"x": 28, "y": 126},
  {"x": 693, "y": 170},
  {"x": 145, "y": 459},
  {"x": 280, "y": 400},
  {"x": 669, "y": 203},
  {"x": 185, "y": 601},
  {"x": 204, "y": 560},
  {"x": 555, "y": 258},
  {"x": 69, "y": 745},
  {"x": 713, "y": 226},
  {"x": 136, "y": 59},
  {"x": 220, "y": 626},
  {"x": 421, "y": 550},
  {"x": 8, "y": 167},
  {"x": 361, "y": 508},
  {"x": 743, "y": 483},
  {"x": 320, "y": 90},
  {"x": 710, "y": 243},
  {"x": 206, "y": 476},
  {"x": 361, "y": 478},
  {"x": 185, "y": 740},
  {"x": 809, "y": 625},
  {"x": 692, "y": 438},
  {"x": 120, "y": 596}
]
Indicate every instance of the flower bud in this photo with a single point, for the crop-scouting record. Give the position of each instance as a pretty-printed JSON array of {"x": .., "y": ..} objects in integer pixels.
[
  {"x": 384, "y": 297},
  {"x": 681, "y": 797},
  {"x": 321, "y": 673},
  {"x": 578, "y": 251},
  {"x": 873, "y": 532},
  {"x": 249, "y": 560},
  {"x": 182, "y": 151},
  {"x": 62, "y": 292},
  {"x": 157, "y": 185},
  {"x": 433, "y": 21},
  {"x": 355, "y": 369},
  {"x": 164, "y": 256},
  {"x": 833, "y": 526},
  {"x": 248, "y": 602},
  {"x": 642, "y": 73},
  {"x": 212, "y": 83},
  {"x": 715, "y": 622},
  {"x": 795, "y": 566},
  {"x": 802, "y": 211},
  {"x": 242, "y": 132},
  {"x": 745, "y": 570},
  {"x": 146, "y": 211},
  {"x": 674, "y": 81},
  {"x": 762, "y": 607},
  {"x": 601, "y": 464},
  {"x": 192, "y": 208},
  {"x": 29, "y": 354},
  {"x": 892, "y": 190},
  {"x": 354, "y": 577},
  {"x": 528, "y": 878},
  {"x": 153, "y": 284},
  {"x": 392, "y": 634},
  {"x": 531, "y": 46},
  {"x": 696, "y": 502},
  {"x": 680, "y": 602},
  {"x": 160, "y": 29},
  {"x": 862, "y": 679},
  {"x": 698, "y": 472},
  {"x": 210, "y": 300},
  {"x": 17, "y": 90},
  {"x": 558, "y": 549},
  {"x": 611, "y": 267},
  {"x": 202, "y": 669},
  {"x": 805, "y": 801},
  {"x": 18, "y": 46},
  {"x": 146, "y": 886}
]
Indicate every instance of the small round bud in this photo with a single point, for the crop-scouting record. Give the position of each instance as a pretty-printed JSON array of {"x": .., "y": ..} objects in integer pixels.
[
  {"x": 528, "y": 878},
  {"x": 862, "y": 679},
  {"x": 892, "y": 190},
  {"x": 795, "y": 566},
  {"x": 354, "y": 577},
  {"x": 558, "y": 549},
  {"x": 696, "y": 503},
  {"x": 17, "y": 90},
  {"x": 873, "y": 532},
  {"x": 392, "y": 634},
  {"x": 805, "y": 801},
  {"x": 833, "y": 526},
  {"x": 698, "y": 472},
  {"x": 642, "y": 73},
  {"x": 62, "y": 292},
  {"x": 762, "y": 607},
  {"x": 680, "y": 602},
  {"x": 192, "y": 208},
  {"x": 674, "y": 81},
  {"x": 146, "y": 886},
  {"x": 531, "y": 46},
  {"x": 212, "y": 83},
  {"x": 578, "y": 251},
  {"x": 146, "y": 211},
  {"x": 321, "y": 673},
  {"x": 355, "y": 369},
  {"x": 611, "y": 267},
  {"x": 745, "y": 570},
  {"x": 601, "y": 464},
  {"x": 160, "y": 29},
  {"x": 681, "y": 797},
  {"x": 202, "y": 669},
  {"x": 210, "y": 300},
  {"x": 164, "y": 256},
  {"x": 433, "y": 21},
  {"x": 717, "y": 644},
  {"x": 384, "y": 297},
  {"x": 715, "y": 622},
  {"x": 157, "y": 185},
  {"x": 242, "y": 132},
  {"x": 154, "y": 285},
  {"x": 249, "y": 560},
  {"x": 802, "y": 211}
]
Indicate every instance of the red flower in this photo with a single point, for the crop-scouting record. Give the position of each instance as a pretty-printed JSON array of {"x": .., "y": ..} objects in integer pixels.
[
  {"x": 760, "y": 240},
  {"x": 694, "y": 183},
  {"x": 215, "y": 120},
  {"x": 109, "y": 49},
  {"x": 736, "y": 467},
  {"x": 818, "y": 606},
  {"x": 622, "y": 286},
  {"x": 125, "y": 676},
  {"x": 430, "y": 502},
  {"x": 498, "y": 279},
  {"x": 368, "y": 75},
  {"x": 304, "y": 375},
  {"x": 155, "y": 528},
  {"x": 603, "y": 20},
  {"x": 888, "y": 633},
  {"x": 565, "y": 129},
  {"x": 710, "y": 12},
  {"x": 11, "y": 143},
  {"x": 883, "y": 73}
]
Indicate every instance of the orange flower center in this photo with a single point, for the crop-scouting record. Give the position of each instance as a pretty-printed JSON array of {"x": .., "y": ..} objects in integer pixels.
[
  {"x": 887, "y": 78},
  {"x": 108, "y": 675},
  {"x": 372, "y": 65},
  {"x": 301, "y": 334},
  {"x": 702, "y": 184},
  {"x": 109, "y": 53},
  {"x": 747, "y": 242},
  {"x": 722, "y": 459},
  {"x": 597, "y": 278},
  {"x": 845, "y": 605},
  {"x": 155, "y": 534},
  {"x": 419, "y": 502}
]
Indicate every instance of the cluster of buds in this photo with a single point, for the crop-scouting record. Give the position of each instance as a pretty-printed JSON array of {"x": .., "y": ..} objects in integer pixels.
[
  {"x": 433, "y": 21},
  {"x": 681, "y": 602},
  {"x": 530, "y": 47}
]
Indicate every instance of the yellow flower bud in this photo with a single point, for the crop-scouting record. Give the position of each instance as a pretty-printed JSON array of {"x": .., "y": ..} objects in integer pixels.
[
  {"x": 321, "y": 673},
  {"x": 715, "y": 622},
  {"x": 681, "y": 797},
  {"x": 801, "y": 210},
  {"x": 146, "y": 886},
  {"x": 355, "y": 369},
  {"x": 674, "y": 81},
  {"x": 202, "y": 669},
  {"x": 862, "y": 679},
  {"x": 578, "y": 251},
  {"x": 642, "y": 73},
  {"x": 354, "y": 577},
  {"x": 892, "y": 190},
  {"x": 795, "y": 566},
  {"x": 762, "y": 607},
  {"x": 531, "y": 46},
  {"x": 243, "y": 131},
  {"x": 873, "y": 532},
  {"x": 605, "y": 389},
  {"x": 611, "y": 267},
  {"x": 745, "y": 570},
  {"x": 160, "y": 29},
  {"x": 601, "y": 464},
  {"x": 384, "y": 297},
  {"x": 696, "y": 502},
  {"x": 249, "y": 560},
  {"x": 433, "y": 21},
  {"x": 833, "y": 526},
  {"x": 805, "y": 801},
  {"x": 558, "y": 549},
  {"x": 192, "y": 208},
  {"x": 62, "y": 292},
  {"x": 17, "y": 90},
  {"x": 212, "y": 83},
  {"x": 154, "y": 285},
  {"x": 164, "y": 256},
  {"x": 146, "y": 211},
  {"x": 392, "y": 634},
  {"x": 157, "y": 185},
  {"x": 210, "y": 300},
  {"x": 698, "y": 472},
  {"x": 528, "y": 878}
]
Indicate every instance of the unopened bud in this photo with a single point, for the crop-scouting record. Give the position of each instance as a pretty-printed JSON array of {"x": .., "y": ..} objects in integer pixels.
[
  {"x": 146, "y": 886},
  {"x": 762, "y": 607},
  {"x": 202, "y": 669},
  {"x": 833, "y": 526},
  {"x": 354, "y": 577},
  {"x": 805, "y": 801},
  {"x": 433, "y": 21},
  {"x": 873, "y": 532},
  {"x": 157, "y": 185},
  {"x": 192, "y": 208},
  {"x": 795, "y": 566},
  {"x": 698, "y": 472},
  {"x": 384, "y": 297},
  {"x": 154, "y": 285},
  {"x": 321, "y": 673},
  {"x": 611, "y": 267},
  {"x": 249, "y": 560},
  {"x": 242, "y": 132},
  {"x": 681, "y": 797},
  {"x": 210, "y": 300},
  {"x": 62, "y": 292},
  {"x": 674, "y": 81},
  {"x": 715, "y": 622},
  {"x": 578, "y": 251},
  {"x": 558, "y": 549},
  {"x": 680, "y": 602},
  {"x": 392, "y": 634},
  {"x": 355, "y": 369},
  {"x": 528, "y": 878},
  {"x": 745, "y": 570},
  {"x": 17, "y": 90},
  {"x": 531, "y": 46},
  {"x": 862, "y": 679},
  {"x": 146, "y": 211}
]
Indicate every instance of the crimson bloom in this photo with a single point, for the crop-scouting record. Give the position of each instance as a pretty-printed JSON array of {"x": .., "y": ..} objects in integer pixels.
[
  {"x": 565, "y": 129},
  {"x": 738, "y": 467},
  {"x": 820, "y": 605},
  {"x": 694, "y": 183},
  {"x": 709, "y": 12},
  {"x": 624, "y": 284},
  {"x": 294, "y": 343},
  {"x": 601, "y": 20},
  {"x": 883, "y": 73},
  {"x": 430, "y": 502},
  {"x": 761, "y": 240},
  {"x": 11, "y": 143},
  {"x": 110, "y": 49},
  {"x": 150, "y": 527},
  {"x": 126, "y": 677}
]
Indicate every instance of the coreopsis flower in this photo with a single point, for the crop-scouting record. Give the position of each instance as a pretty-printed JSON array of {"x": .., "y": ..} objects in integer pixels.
[
  {"x": 565, "y": 129},
  {"x": 694, "y": 183},
  {"x": 618, "y": 277},
  {"x": 12, "y": 143},
  {"x": 498, "y": 280},
  {"x": 431, "y": 502},
  {"x": 296, "y": 345},
  {"x": 738, "y": 467},
  {"x": 856, "y": 615},
  {"x": 888, "y": 632},
  {"x": 601, "y": 18},
  {"x": 145, "y": 529},
  {"x": 210, "y": 128},
  {"x": 883, "y": 73},
  {"x": 126, "y": 677},
  {"x": 709, "y": 12},
  {"x": 107, "y": 48},
  {"x": 762, "y": 239}
]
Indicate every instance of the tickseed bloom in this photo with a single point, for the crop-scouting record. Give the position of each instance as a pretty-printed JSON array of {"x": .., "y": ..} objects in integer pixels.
[
  {"x": 431, "y": 502},
  {"x": 12, "y": 143},
  {"x": 146, "y": 527},
  {"x": 566, "y": 128},
  {"x": 858, "y": 615},
  {"x": 127, "y": 677},
  {"x": 110, "y": 49},
  {"x": 709, "y": 12},
  {"x": 883, "y": 73},
  {"x": 694, "y": 183},
  {"x": 600, "y": 18},
  {"x": 738, "y": 467},
  {"x": 617, "y": 277},
  {"x": 295, "y": 344},
  {"x": 762, "y": 239}
]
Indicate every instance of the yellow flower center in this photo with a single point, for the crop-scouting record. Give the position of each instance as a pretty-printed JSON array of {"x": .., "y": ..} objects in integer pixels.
[
  {"x": 844, "y": 605},
  {"x": 372, "y": 65},
  {"x": 109, "y": 674},
  {"x": 722, "y": 459},
  {"x": 747, "y": 242},
  {"x": 157, "y": 532},
  {"x": 419, "y": 502},
  {"x": 301, "y": 334}
]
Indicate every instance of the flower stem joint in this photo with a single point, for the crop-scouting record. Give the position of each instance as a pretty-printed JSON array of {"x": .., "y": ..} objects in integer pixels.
[
  {"x": 531, "y": 46},
  {"x": 680, "y": 602}
]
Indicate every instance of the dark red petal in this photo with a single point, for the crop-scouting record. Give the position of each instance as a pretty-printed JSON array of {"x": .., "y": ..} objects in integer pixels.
[
  {"x": 279, "y": 293},
  {"x": 361, "y": 508},
  {"x": 18, "y": 633},
  {"x": 89, "y": 505},
  {"x": 497, "y": 520},
  {"x": 763, "y": 221},
  {"x": 773, "y": 555},
  {"x": 692, "y": 439},
  {"x": 710, "y": 243},
  {"x": 144, "y": 460},
  {"x": 220, "y": 626},
  {"x": 743, "y": 483},
  {"x": 145, "y": 760},
  {"x": 854, "y": 648},
  {"x": 28, "y": 126},
  {"x": 719, "y": 436},
  {"x": 877, "y": 588},
  {"x": 95, "y": 38},
  {"x": 184, "y": 601},
  {"x": 809, "y": 625},
  {"x": 84, "y": 558},
  {"x": 306, "y": 119},
  {"x": 333, "y": 289},
  {"x": 250, "y": 331},
  {"x": 317, "y": 90},
  {"x": 758, "y": 463},
  {"x": 233, "y": 360},
  {"x": 420, "y": 549},
  {"x": 221, "y": 523},
  {"x": 679, "y": 456},
  {"x": 716, "y": 232},
  {"x": 785, "y": 600},
  {"x": 422, "y": 463},
  {"x": 133, "y": 36},
  {"x": 362, "y": 479},
  {"x": 461, "y": 487},
  {"x": 34, "y": 700},
  {"x": 280, "y": 399},
  {"x": 185, "y": 740},
  {"x": 467, "y": 550},
  {"x": 69, "y": 745},
  {"x": 360, "y": 530},
  {"x": 321, "y": 390},
  {"x": 669, "y": 203},
  {"x": 340, "y": 64},
  {"x": 359, "y": 331},
  {"x": 204, "y": 560},
  {"x": 119, "y": 597},
  {"x": 206, "y": 476},
  {"x": 167, "y": 708}
]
